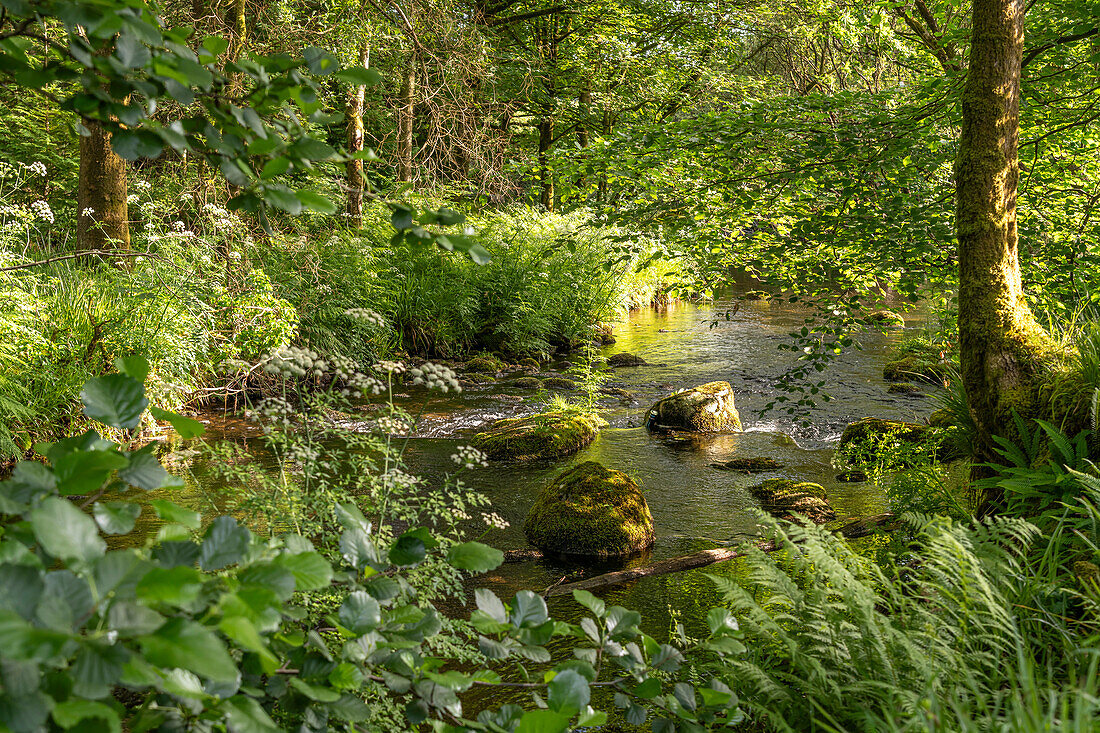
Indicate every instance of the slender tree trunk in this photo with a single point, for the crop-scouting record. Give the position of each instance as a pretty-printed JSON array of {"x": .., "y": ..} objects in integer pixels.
[
  {"x": 238, "y": 37},
  {"x": 103, "y": 220},
  {"x": 406, "y": 119},
  {"x": 546, "y": 176},
  {"x": 354, "y": 168},
  {"x": 1002, "y": 347}
]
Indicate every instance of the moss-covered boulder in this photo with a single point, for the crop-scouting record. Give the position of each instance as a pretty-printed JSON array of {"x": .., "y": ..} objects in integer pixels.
[
  {"x": 605, "y": 334},
  {"x": 903, "y": 388},
  {"x": 918, "y": 359},
  {"x": 591, "y": 511},
  {"x": 617, "y": 392},
  {"x": 625, "y": 360},
  {"x": 558, "y": 383},
  {"x": 484, "y": 365},
  {"x": 758, "y": 464},
  {"x": 888, "y": 318},
  {"x": 529, "y": 363},
  {"x": 705, "y": 409},
  {"x": 478, "y": 378},
  {"x": 941, "y": 418},
  {"x": 893, "y": 443},
  {"x": 785, "y": 497},
  {"x": 546, "y": 435},
  {"x": 526, "y": 383}
]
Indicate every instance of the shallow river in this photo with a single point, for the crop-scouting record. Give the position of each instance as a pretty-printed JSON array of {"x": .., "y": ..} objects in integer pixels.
[{"x": 694, "y": 505}]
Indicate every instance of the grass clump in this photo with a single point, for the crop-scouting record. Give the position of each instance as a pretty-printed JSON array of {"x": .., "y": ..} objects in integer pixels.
[
  {"x": 919, "y": 358},
  {"x": 591, "y": 511},
  {"x": 889, "y": 444}
]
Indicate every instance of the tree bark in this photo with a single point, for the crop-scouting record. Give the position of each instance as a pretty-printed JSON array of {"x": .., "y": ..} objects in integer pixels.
[
  {"x": 406, "y": 119},
  {"x": 1002, "y": 347},
  {"x": 354, "y": 168},
  {"x": 546, "y": 175},
  {"x": 103, "y": 220}
]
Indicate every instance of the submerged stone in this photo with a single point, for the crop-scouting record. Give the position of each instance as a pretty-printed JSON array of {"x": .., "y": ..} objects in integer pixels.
[
  {"x": 750, "y": 465},
  {"x": 546, "y": 435},
  {"x": 785, "y": 497},
  {"x": 483, "y": 364},
  {"x": 903, "y": 388},
  {"x": 591, "y": 511},
  {"x": 526, "y": 383},
  {"x": 478, "y": 378},
  {"x": 888, "y": 318},
  {"x": 705, "y": 409},
  {"x": 625, "y": 360}
]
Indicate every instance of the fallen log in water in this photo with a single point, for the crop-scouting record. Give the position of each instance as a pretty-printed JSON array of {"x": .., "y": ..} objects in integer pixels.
[{"x": 856, "y": 528}]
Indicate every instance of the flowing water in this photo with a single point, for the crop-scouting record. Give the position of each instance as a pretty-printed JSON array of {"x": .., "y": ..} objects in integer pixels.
[{"x": 694, "y": 505}]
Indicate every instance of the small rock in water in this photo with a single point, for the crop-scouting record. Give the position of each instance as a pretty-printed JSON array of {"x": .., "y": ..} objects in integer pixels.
[
  {"x": 527, "y": 383},
  {"x": 750, "y": 465},
  {"x": 904, "y": 388},
  {"x": 558, "y": 383},
  {"x": 625, "y": 360},
  {"x": 851, "y": 477},
  {"x": 784, "y": 497}
]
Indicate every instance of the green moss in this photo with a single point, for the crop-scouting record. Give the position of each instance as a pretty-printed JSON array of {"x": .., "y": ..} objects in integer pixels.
[
  {"x": 851, "y": 477},
  {"x": 625, "y": 360},
  {"x": 940, "y": 418},
  {"x": 530, "y": 363},
  {"x": 476, "y": 378},
  {"x": 903, "y": 388},
  {"x": 617, "y": 392},
  {"x": 784, "y": 497},
  {"x": 750, "y": 465},
  {"x": 708, "y": 408},
  {"x": 546, "y": 435},
  {"x": 893, "y": 444},
  {"x": 484, "y": 364},
  {"x": 558, "y": 383},
  {"x": 888, "y": 318},
  {"x": 526, "y": 383},
  {"x": 591, "y": 511}
]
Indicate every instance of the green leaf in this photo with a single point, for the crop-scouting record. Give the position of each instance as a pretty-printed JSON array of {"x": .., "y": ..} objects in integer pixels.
[
  {"x": 311, "y": 149},
  {"x": 528, "y": 609},
  {"x": 475, "y": 556},
  {"x": 117, "y": 400},
  {"x": 408, "y": 549},
  {"x": 144, "y": 470},
  {"x": 131, "y": 52},
  {"x": 314, "y": 201},
  {"x": 67, "y": 714},
  {"x": 66, "y": 532},
  {"x": 133, "y": 366},
  {"x": 170, "y": 512},
  {"x": 543, "y": 721},
  {"x": 225, "y": 543},
  {"x": 283, "y": 198},
  {"x": 116, "y": 517},
  {"x": 246, "y": 715},
  {"x": 82, "y": 472},
  {"x": 310, "y": 570},
  {"x": 134, "y": 145},
  {"x": 490, "y": 605},
  {"x": 589, "y": 601},
  {"x": 360, "y": 613},
  {"x": 359, "y": 76},
  {"x": 176, "y": 586},
  {"x": 185, "y": 426},
  {"x": 568, "y": 693},
  {"x": 184, "y": 643}
]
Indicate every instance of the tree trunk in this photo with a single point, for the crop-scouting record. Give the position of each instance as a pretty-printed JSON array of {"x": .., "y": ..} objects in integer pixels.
[
  {"x": 546, "y": 176},
  {"x": 354, "y": 168},
  {"x": 103, "y": 220},
  {"x": 406, "y": 118},
  {"x": 1002, "y": 347}
]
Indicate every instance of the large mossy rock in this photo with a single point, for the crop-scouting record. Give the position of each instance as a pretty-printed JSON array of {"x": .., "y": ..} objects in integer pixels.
[
  {"x": 888, "y": 318},
  {"x": 625, "y": 359},
  {"x": 784, "y": 498},
  {"x": 591, "y": 511},
  {"x": 546, "y": 435},
  {"x": 484, "y": 365},
  {"x": 918, "y": 359},
  {"x": 873, "y": 440},
  {"x": 705, "y": 409}
]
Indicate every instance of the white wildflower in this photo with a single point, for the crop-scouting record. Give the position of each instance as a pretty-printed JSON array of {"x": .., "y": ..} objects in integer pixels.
[
  {"x": 435, "y": 376},
  {"x": 492, "y": 519},
  {"x": 469, "y": 457},
  {"x": 43, "y": 211}
]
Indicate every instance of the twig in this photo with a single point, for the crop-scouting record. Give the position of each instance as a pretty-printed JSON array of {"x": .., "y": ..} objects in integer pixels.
[{"x": 74, "y": 255}]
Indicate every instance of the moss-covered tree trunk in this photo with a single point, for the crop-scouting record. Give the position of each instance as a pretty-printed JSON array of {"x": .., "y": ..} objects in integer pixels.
[
  {"x": 406, "y": 119},
  {"x": 103, "y": 220},
  {"x": 1001, "y": 345},
  {"x": 353, "y": 169}
]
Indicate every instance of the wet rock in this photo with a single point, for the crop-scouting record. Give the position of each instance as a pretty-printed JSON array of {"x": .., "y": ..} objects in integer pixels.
[
  {"x": 871, "y": 440},
  {"x": 529, "y": 363},
  {"x": 941, "y": 418},
  {"x": 785, "y": 497},
  {"x": 923, "y": 367},
  {"x": 888, "y": 318},
  {"x": 605, "y": 335},
  {"x": 546, "y": 435},
  {"x": 755, "y": 295},
  {"x": 903, "y": 388},
  {"x": 591, "y": 511},
  {"x": 625, "y": 360},
  {"x": 758, "y": 464},
  {"x": 616, "y": 392},
  {"x": 558, "y": 383},
  {"x": 478, "y": 378},
  {"x": 526, "y": 383},
  {"x": 705, "y": 409},
  {"x": 851, "y": 477},
  {"x": 484, "y": 365}
]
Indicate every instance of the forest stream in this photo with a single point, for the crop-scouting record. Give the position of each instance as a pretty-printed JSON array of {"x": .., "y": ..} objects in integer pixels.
[{"x": 694, "y": 505}]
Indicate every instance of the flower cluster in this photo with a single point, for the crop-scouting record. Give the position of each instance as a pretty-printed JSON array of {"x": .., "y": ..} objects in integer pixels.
[
  {"x": 391, "y": 425},
  {"x": 43, "y": 211},
  {"x": 435, "y": 376},
  {"x": 295, "y": 362},
  {"x": 303, "y": 453},
  {"x": 38, "y": 168},
  {"x": 393, "y": 367},
  {"x": 398, "y": 479},
  {"x": 492, "y": 519},
  {"x": 469, "y": 457},
  {"x": 362, "y": 383},
  {"x": 367, "y": 316},
  {"x": 275, "y": 408}
]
